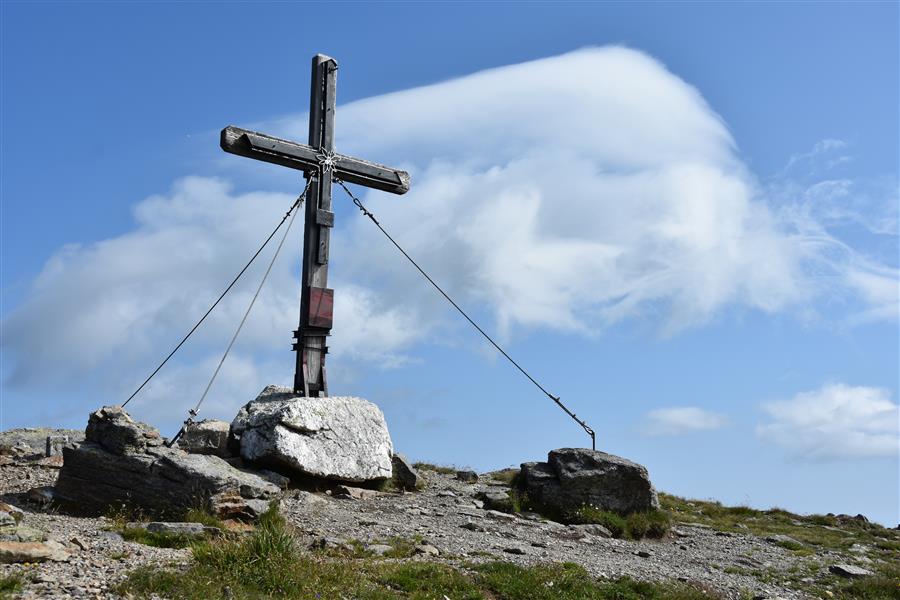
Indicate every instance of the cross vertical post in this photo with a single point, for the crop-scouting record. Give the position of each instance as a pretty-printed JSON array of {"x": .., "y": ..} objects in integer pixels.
[
  {"x": 321, "y": 166},
  {"x": 316, "y": 300}
]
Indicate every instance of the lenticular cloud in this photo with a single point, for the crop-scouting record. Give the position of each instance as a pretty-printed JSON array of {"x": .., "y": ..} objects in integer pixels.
[{"x": 567, "y": 193}]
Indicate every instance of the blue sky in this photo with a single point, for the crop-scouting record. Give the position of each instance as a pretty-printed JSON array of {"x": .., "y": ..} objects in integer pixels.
[{"x": 681, "y": 218}]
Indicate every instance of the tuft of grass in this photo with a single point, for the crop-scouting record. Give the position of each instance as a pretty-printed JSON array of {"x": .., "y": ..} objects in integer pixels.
[
  {"x": 651, "y": 524},
  {"x": 442, "y": 469},
  {"x": 121, "y": 515},
  {"x": 155, "y": 539},
  {"x": 10, "y": 585},
  {"x": 634, "y": 526},
  {"x": 199, "y": 515},
  {"x": 507, "y": 476},
  {"x": 261, "y": 561},
  {"x": 616, "y": 524},
  {"x": 790, "y": 545}
]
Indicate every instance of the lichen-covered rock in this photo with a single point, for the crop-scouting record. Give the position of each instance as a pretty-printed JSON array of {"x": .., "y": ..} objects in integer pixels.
[
  {"x": 575, "y": 477},
  {"x": 339, "y": 438},
  {"x": 206, "y": 437},
  {"x": 125, "y": 463}
]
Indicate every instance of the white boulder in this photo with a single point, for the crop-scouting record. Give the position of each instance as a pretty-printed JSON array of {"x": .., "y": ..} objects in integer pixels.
[{"x": 339, "y": 438}]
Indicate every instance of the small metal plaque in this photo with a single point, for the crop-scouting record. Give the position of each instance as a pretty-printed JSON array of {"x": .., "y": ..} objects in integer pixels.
[{"x": 321, "y": 307}]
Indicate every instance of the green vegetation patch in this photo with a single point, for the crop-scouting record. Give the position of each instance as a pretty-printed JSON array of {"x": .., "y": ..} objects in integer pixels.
[
  {"x": 568, "y": 581},
  {"x": 423, "y": 580},
  {"x": 9, "y": 585},
  {"x": 157, "y": 539},
  {"x": 884, "y": 585}
]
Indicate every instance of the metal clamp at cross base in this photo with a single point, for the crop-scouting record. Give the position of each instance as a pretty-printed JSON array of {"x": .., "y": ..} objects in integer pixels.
[{"x": 321, "y": 164}]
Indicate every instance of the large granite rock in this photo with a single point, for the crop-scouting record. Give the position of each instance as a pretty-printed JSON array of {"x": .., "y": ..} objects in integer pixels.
[
  {"x": 339, "y": 438},
  {"x": 575, "y": 477},
  {"x": 123, "y": 462}
]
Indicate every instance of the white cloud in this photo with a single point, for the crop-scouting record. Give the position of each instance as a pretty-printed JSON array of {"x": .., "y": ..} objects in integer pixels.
[
  {"x": 681, "y": 420},
  {"x": 836, "y": 421},
  {"x": 567, "y": 194}
]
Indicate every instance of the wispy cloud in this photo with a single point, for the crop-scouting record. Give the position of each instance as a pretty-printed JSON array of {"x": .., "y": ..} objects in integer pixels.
[
  {"x": 834, "y": 422},
  {"x": 682, "y": 420}
]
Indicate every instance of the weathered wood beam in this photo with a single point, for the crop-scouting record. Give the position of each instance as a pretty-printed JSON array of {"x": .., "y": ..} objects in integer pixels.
[{"x": 306, "y": 158}]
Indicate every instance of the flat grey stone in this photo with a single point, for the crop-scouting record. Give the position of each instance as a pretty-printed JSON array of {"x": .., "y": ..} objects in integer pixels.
[
  {"x": 379, "y": 549},
  {"x": 499, "y": 516},
  {"x": 849, "y": 571},
  {"x": 354, "y": 493},
  {"x": 427, "y": 550},
  {"x": 593, "y": 529}
]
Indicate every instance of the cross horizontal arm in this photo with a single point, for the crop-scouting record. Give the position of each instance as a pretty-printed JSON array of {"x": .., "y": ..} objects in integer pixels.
[{"x": 306, "y": 158}]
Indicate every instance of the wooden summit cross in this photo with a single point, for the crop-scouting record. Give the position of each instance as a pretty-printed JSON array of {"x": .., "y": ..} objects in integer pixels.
[{"x": 319, "y": 162}]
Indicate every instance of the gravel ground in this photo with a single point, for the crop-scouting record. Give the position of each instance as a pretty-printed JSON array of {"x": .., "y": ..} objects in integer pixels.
[{"x": 445, "y": 515}]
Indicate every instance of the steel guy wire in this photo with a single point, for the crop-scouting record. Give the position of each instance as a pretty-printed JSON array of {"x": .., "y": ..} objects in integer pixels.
[
  {"x": 555, "y": 399},
  {"x": 194, "y": 411},
  {"x": 296, "y": 203}
]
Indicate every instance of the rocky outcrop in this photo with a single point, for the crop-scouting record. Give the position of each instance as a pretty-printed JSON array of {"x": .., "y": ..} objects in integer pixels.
[
  {"x": 575, "y": 477},
  {"x": 123, "y": 462},
  {"x": 206, "y": 437},
  {"x": 339, "y": 438}
]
